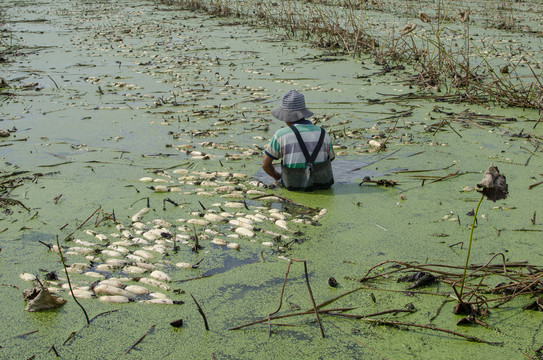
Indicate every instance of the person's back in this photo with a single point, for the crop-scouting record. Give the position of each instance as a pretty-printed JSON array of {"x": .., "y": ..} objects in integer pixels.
[{"x": 305, "y": 149}]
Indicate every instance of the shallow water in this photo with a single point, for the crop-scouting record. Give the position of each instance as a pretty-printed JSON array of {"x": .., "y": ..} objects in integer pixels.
[{"x": 124, "y": 109}]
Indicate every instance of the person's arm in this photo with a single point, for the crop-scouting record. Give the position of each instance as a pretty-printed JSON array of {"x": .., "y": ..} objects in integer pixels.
[{"x": 268, "y": 167}]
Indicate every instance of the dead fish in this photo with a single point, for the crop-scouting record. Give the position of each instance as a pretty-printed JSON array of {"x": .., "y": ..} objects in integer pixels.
[
  {"x": 137, "y": 289},
  {"x": 220, "y": 242},
  {"x": 144, "y": 254},
  {"x": 200, "y": 222},
  {"x": 114, "y": 299},
  {"x": 320, "y": 215},
  {"x": 244, "y": 232},
  {"x": 214, "y": 217},
  {"x": 184, "y": 265},
  {"x": 111, "y": 290},
  {"x": 160, "y": 275},
  {"x": 282, "y": 224},
  {"x": 27, "y": 277},
  {"x": 233, "y": 246},
  {"x": 83, "y": 294},
  {"x": 134, "y": 270},
  {"x": 137, "y": 216},
  {"x": 94, "y": 274},
  {"x": 155, "y": 283}
]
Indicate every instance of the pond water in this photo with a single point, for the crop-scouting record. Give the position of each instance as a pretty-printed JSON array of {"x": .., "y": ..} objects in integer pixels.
[{"x": 106, "y": 93}]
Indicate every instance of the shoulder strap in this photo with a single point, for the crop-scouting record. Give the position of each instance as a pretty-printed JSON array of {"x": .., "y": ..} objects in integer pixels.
[{"x": 309, "y": 159}]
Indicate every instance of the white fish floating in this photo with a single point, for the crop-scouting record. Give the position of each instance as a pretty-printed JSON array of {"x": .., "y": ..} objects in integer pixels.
[
  {"x": 160, "y": 302},
  {"x": 282, "y": 224},
  {"x": 27, "y": 277},
  {"x": 146, "y": 266},
  {"x": 268, "y": 244},
  {"x": 116, "y": 262},
  {"x": 111, "y": 253},
  {"x": 236, "y": 205},
  {"x": 137, "y": 289},
  {"x": 94, "y": 274},
  {"x": 137, "y": 216},
  {"x": 158, "y": 295},
  {"x": 81, "y": 250},
  {"x": 146, "y": 179},
  {"x": 160, "y": 188},
  {"x": 114, "y": 299},
  {"x": 155, "y": 283},
  {"x": 184, "y": 265},
  {"x": 83, "y": 294},
  {"x": 219, "y": 242},
  {"x": 233, "y": 246},
  {"x": 112, "y": 290},
  {"x": 200, "y": 222},
  {"x": 237, "y": 222},
  {"x": 244, "y": 232},
  {"x": 101, "y": 237},
  {"x": 160, "y": 275},
  {"x": 105, "y": 267},
  {"x": 134, "y": 270},
  {"x": 214, "y": 217},
  {"x": 320, "y": 215},
  {"x": 111, "y": 282},
  {"x": 144, "y": 254}
]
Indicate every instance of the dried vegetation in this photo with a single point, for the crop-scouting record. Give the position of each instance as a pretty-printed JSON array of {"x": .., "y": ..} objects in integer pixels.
[{"x": 451, "y": 50}]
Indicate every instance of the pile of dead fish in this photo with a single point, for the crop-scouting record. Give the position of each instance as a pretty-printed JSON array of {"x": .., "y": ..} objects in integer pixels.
[{"x": 137, "y": 262}]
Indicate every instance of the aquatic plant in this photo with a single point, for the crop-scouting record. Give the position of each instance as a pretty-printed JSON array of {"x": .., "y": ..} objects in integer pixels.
[
  {"x": 439, "y": 48},
  {"x": 494, "y": 187}
]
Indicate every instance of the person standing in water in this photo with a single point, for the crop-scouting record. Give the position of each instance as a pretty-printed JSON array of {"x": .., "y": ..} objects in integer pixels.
[{"x": 305, "y": 150}]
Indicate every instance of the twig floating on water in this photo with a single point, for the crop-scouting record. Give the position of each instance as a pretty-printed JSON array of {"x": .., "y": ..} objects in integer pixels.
[
  {"x": 140, "y": 339},
  {"x": 201, "y": 312},
  {"x": 69, "y": 282}
]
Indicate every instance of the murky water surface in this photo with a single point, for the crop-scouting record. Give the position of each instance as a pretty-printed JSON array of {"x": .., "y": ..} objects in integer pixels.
[{"x": 106, "y": 93}]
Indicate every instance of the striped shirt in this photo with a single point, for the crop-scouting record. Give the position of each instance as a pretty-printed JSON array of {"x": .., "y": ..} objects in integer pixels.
[{"x": 284, "y": 145}]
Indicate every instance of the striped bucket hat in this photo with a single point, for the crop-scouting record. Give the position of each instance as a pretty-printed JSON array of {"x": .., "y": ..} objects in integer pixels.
[{"x": 292, "y": 107}]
